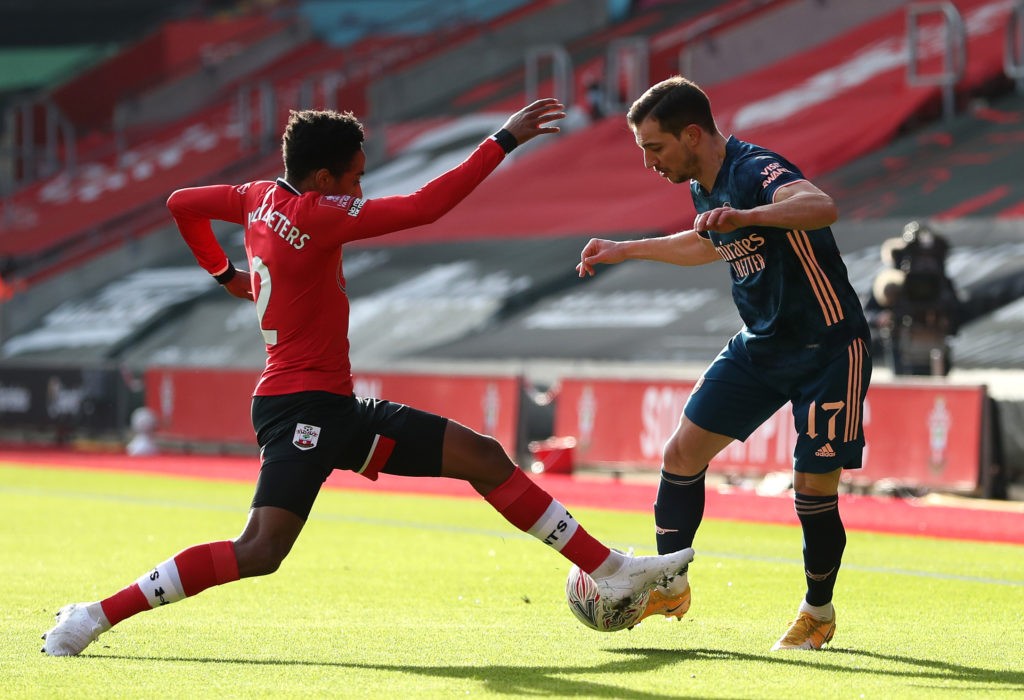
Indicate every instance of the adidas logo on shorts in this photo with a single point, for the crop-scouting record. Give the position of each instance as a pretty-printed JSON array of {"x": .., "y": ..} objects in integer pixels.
[{"x": 825, "y": 451}]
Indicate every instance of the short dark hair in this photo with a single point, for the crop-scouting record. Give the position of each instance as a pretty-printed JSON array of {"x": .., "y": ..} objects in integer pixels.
[
  {"x": 674, "y": 103},
  {"x": 317, "y": 139}
]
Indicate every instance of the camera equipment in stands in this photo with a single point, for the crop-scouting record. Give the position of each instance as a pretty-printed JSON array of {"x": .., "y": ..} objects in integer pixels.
[
  {"x": 914, "y": 306},
  {"x": 922, "y": 259}
]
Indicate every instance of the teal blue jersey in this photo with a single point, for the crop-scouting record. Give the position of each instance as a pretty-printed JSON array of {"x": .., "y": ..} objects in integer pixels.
[{"x": 791, "y": 287}]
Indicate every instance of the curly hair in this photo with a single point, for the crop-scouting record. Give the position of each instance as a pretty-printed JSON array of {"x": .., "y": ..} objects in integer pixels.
[
  {"x": 674, "y": 103},
  {"x": 315, "y": 139}
]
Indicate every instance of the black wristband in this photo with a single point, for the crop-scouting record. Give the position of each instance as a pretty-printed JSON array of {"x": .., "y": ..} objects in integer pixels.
[
  {"x": 227, "y": 275},
  {"x": 506, "y": 140}
]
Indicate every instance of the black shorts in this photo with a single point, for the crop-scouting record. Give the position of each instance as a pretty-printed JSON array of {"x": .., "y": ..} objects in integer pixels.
[{"x": 303, "y": 437}]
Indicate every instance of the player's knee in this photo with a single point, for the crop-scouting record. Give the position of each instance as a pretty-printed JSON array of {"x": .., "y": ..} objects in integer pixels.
[
  {"x": 484, "y": 453},
  {"x": 817, "y": 484},
  {"x": 494, "y": 453},
  {"x": 480, "y": 460},
  {"x": 495, "y": 465},
  {"x": 675, "y": 460}
]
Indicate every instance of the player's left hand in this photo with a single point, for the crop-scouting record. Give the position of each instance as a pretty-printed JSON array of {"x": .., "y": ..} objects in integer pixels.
[
  {"x": 723, "y": 220},
  {"x": 240, "y": 285},
  {"x": 533, "y": 119}
]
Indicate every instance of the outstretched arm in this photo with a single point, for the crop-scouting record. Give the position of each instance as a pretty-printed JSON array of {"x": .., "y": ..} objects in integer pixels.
[
  {"x": 443, "y": 193},
  {"x": 686, "y": 248}
]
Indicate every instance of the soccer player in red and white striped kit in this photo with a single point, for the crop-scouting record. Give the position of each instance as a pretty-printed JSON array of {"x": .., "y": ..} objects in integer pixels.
[{"x": 306, "y": 418}]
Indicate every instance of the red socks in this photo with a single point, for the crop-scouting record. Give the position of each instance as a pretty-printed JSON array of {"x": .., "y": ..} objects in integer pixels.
[
  {"x": 189, "y": 572},
  {"x": 193, "y": 570},
  {"x": 533, "y": 510}
]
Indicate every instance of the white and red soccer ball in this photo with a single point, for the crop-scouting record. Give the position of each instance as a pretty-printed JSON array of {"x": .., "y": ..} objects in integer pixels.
[{"x": 586, "y": 604}]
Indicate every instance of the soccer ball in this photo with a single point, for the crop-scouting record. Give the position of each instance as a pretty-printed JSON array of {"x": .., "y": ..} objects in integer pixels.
[{"x": 589, "y": 608}]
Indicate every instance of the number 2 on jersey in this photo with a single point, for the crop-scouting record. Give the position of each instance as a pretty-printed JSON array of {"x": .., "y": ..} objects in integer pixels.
[{"x": 263, "y": 298}]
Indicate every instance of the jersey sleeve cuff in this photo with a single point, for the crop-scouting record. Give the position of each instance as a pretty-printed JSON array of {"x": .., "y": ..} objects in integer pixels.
[
  {"x": 225, "y": 275},
  {"x": 506, "y": 140}
]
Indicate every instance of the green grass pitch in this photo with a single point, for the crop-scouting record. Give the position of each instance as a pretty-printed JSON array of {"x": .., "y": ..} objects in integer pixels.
[{"x": 394, "y": 596}]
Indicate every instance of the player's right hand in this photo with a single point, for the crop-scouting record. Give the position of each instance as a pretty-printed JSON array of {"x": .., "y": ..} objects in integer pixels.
[
  {"x": 240, "y": 285},
  {"x": 721, "y": 219},
  {"x": 598, "y": 251},
  {"x": 532, "y": 120}
]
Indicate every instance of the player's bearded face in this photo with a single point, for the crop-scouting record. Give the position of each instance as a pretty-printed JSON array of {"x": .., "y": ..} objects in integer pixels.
[
  {"x": 666, "y": 154},
  {"x": 687, "y": 167}
]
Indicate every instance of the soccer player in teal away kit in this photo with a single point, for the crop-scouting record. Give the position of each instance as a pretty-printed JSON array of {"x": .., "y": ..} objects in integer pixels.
[{"x": 804, "y": 339}]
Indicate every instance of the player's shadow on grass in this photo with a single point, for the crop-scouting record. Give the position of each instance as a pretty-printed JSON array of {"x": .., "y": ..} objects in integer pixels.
[
  {"x": 561, "y": 681},
  {"x": 580, "y": 680},
  {"x": 894, "y": 665}
]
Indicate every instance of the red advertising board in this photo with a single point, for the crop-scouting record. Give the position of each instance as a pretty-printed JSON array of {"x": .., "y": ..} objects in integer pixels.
[
  {"x": 928, "y": 434},
  {"x": 487, "y": 404},
  {"x": 202, "y": 405},
  {"x": 212, "y": 405}
]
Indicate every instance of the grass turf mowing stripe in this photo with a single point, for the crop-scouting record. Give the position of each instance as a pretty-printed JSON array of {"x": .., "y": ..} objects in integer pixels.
[
  {"x": 452, "y": 528},
  {"x": 860, "y": 513}
]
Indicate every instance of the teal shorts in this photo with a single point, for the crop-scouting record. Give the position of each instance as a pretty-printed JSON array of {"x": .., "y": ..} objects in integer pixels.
[{"x": 734, "y": 396}]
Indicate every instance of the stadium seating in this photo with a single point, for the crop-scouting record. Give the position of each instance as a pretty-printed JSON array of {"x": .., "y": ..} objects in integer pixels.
[
  {"x": 30, "y": 68},
  {"x": 177, "y": 48},
  {"x": 552, "y": 199},
  {"x": 343, "y": 24},
  {"x": 115, "y": 186},
  {"x": 493, "y": 282},
  {"x": 800, "y": 105}
]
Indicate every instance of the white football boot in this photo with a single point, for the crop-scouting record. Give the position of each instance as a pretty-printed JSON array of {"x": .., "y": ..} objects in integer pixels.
[
  {"x": 78, "y": 626},
  {"x": 638, "y": 575}
]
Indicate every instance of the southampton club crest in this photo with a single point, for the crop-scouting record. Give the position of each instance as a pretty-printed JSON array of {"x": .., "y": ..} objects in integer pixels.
[{"x": 306, "y": 436}]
